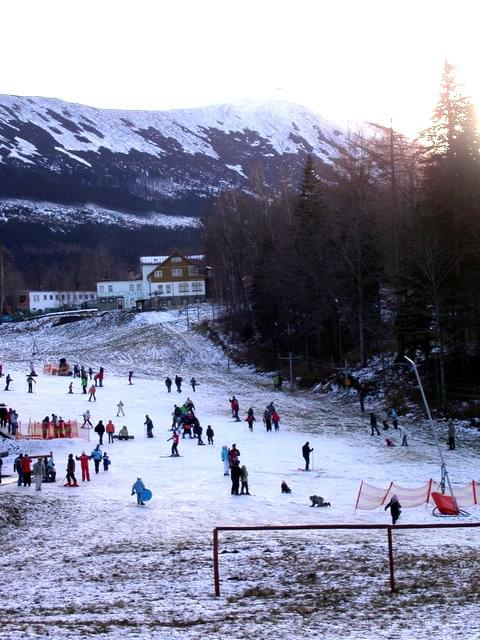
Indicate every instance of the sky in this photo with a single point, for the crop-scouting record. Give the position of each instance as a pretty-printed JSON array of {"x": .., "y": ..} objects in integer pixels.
[{"x": 348, "y": 60}]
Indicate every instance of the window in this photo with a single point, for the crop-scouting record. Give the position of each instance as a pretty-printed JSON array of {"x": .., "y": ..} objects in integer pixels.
[
  {"x": 158, "y": 274},
  {"x": 197, "y": 287},
  {"x": 131, "y": 287},
  {"x": 36, "y": 298},
  {"x": 168, "y": 288},
  {"x": 160, "y": 288},
  {"x": 177, "y": 272},
  {"x": 44, "y": 296},
  {"x": 139, "y": 286},
  {"x": 183, "y": 287},
  {"x": 110, "y": 288},
  {"x": 101, "y": 287},
  {"x": 176, "y": 259},
  {"x": 192, "y": 271},
  {"x": 51, "y": 296}
]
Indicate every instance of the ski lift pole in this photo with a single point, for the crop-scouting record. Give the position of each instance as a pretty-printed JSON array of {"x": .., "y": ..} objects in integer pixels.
[{"x": 444, "y": 473}]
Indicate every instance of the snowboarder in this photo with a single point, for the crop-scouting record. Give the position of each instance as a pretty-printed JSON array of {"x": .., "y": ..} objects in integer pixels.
[
  {"x": 149, "y": 424},
  {"x": 306, "y": 450},
  {"x": 110, "y": 429},
  {"x": 244, "y": 481},
  {"x": 235, "y": 474},
  {"x": 168, "y": 384},
  {"x": 138, "y": 488},
  {"x": 235, "y": 408},
  {"x": 225, "y": 459},
  {"x": 175, "y": 439},
  {"x": 71, "y": 472},
  {"x": 38, "y": 472},
  {"x": 30, "y": 382},
  {"x": 193, "y": 383},
  {"x": 8, "y": 380},
  {"x": 373, "y": 425},
  {"x": 84, "y": 459},
  {"x": 395, "y": 508},
  {"x": 92, "y": 391},
  {"x": 130, "y": 376},
  {"x": 210, "y": 434},
  {"x": 106, "y": 461},
  {"x": 178, "y": 383},
  {"x": 100, "y": 430},
  {"x": 120, "y": 411},
  {"x": 96, "y": 456}
]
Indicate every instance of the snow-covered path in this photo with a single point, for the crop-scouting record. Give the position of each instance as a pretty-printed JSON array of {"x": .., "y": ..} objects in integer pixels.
[{"x": 88, "y": 561}]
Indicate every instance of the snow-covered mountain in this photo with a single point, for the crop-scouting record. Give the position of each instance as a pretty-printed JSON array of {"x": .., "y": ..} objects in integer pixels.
[{"x": 168, "y": 162}]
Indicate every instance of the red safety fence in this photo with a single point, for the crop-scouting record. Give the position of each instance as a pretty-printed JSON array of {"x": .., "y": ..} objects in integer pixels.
[
  {"x": 370, "y": 497},
  {"x": 41, "y": 431}
]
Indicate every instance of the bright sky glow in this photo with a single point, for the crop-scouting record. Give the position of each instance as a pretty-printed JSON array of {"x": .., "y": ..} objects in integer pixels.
[{"x": 349, "y": 60}]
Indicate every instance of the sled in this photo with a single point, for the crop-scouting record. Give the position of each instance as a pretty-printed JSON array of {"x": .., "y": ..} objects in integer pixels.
[
  {"x": 146, "y": 495},
  {"x": 445, "y": 505},
  {"x": 123, "y": 437}
]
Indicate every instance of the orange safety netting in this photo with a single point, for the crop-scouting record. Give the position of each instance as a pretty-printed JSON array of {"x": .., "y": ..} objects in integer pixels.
[
  {"x": 370, "y": 497},
  {"x": 63, "y": 429}
]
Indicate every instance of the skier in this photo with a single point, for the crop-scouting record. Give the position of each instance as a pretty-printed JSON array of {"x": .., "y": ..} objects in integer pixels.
[
  {"x": 71, "y": 472},
  {"x": 250, "y": 419},
  {"x": 175, "y": 438},
  {"x": 92, "y": 391},
  {"x": 306, "y": 450},
  {"x": 199, "y": 434},
  {"x": 120, "y": 410},
  {"x": 106, "y": 461},
  {"x": 193, "y": 383},
  {"x": 168, "y": 384},
  {"x": 30, "y": 381},
  {"x": 96, "y": 456},
  {"x": 86, "y": 420},
  {"x": 235, "y": 408},
  {"x": 235, "y": 477},
  {"x": 210, "y": 434},
  {"x": 110, "y": 429},
  {"x": 395, "y": 508},
  {"x": 149, "y": 424},
  {"x": 130, "y": 376},
  {"x": 244, "y": 481},
  {"x": 138, "y": 488},
  {"x": 178, "y": 383},
  {"x": 100, "y": 430},
  {"x": 225, "y": 459},
  {"x": 38, "y": 472},
  {"x": 8, "y": 380},
  {"x": 84, "y": 459},
  {"x": 373, "y": 425}
]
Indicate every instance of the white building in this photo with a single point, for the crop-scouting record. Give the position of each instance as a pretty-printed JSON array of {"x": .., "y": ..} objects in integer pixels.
[
  {"x": 48, "y": 300},
  {"x": 119, "y": 294}
]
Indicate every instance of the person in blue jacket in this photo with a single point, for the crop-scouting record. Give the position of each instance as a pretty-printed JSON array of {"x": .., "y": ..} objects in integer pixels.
[
  {"x": 138, "y": 488},
  {"x": 106, "y": 461},
  {"x": 96, "y": 456}
]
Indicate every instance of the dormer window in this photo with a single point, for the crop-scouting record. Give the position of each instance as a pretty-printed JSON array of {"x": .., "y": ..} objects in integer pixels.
[{"x": 176, "y": 259}]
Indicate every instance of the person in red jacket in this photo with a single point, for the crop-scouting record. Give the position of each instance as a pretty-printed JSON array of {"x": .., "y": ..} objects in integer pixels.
[
  {"x": 84, "y": 459},
  {"x": 27, "y": 471},
  {"x": 233, "y": 454},
  {"x": 176, "y": 438},
  {"x": 235, "y": 408},
  {"x": 110, "y": 429},
  {"x": 92, "y": 391}
]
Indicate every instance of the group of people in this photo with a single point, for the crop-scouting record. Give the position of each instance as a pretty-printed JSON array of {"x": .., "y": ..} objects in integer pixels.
[
  {"x": 270, "y": 415},
  {"x": 98, "y": 458},
  {"x": 393, "y": 415},
  {"x": 8, "y": 420},
  {"x": 238, "y": 473},
  {"x": 43, "y": 470},
  {"x": 178, "y": 383},
  {"x": 186, "y": 423}
]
